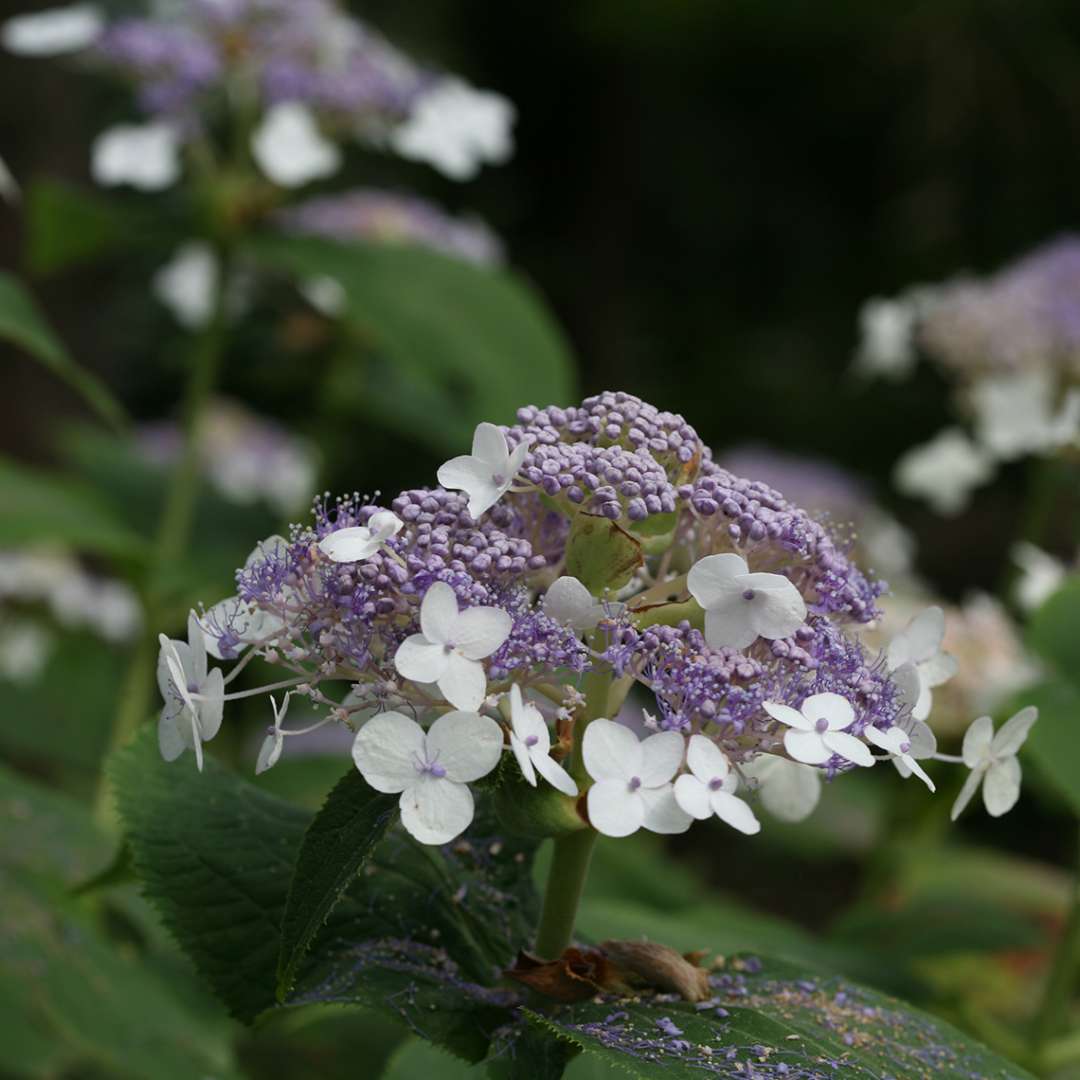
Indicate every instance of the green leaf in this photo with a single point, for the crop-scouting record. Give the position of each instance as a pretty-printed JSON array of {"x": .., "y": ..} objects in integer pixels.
[
  {"x": 215, "y": 856},
  {"x": 1054, "y": 742},
  {"x": 766, "y": 1014},
  {"x": 67, "y": 225},
  {"x": 42, "y": 508},
  {"x": 601, "y": 554},
  {"x": 458, "y": 343},
  {"x": 22, "y": 323},
  {"x": 1054, "y": 630},
  {"x": 336, "y": 845}
]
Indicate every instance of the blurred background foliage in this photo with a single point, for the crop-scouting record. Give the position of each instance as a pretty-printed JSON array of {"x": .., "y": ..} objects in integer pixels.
[{"x": 701, "y": 197}]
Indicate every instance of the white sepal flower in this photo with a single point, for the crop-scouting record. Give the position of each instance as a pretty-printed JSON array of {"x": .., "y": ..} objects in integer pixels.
[
  {"x": 54, "y": 31},
  {"x": 993, "y": 762},
  {"x": 897, "y": 743},
  {"x": 633, "y": 780},
  {"x": 486, "y": 474},
  {"x": 146, "y": 156},
  {"x": 289, "y": 148},
  {"x": 818, "y": 730},
  {"x": 943, "y": 471},
  {"x": 457, "y": 129},
  {"x": 430, "y": 769},
  {"x": 789, "y": 790},
  {"x": 360, "y": 542},
  {"x": 740, "y": 606},
  {"x": 1016, "y": 414},
  {"x": 194, "y": 697},
  {"x": 919, "y": 644},
  {"x": 450, "y": 646},
  {"x": 186, "y": 284},
  {"x": 1041, "y": 575},
  {"x": 569, "y": 603},
  {"x": 270, "y": 751},
  {"x": 710, "y": 785},
  {"x": 531, "y": 744}
]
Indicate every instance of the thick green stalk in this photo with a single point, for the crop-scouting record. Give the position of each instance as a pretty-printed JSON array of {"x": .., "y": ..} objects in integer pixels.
[
  {"x": 1050, "y": 1019},
  {"x": 566, "y": 883}
]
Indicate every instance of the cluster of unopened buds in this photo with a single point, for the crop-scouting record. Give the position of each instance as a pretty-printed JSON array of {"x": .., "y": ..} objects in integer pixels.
[{"x": 569, "y": 559}]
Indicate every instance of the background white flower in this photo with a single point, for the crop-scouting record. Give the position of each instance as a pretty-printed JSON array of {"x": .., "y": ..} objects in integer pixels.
[
  {"x": 186, "y": 284},
  {"x": 360, "y": 542},
  {"x": 789, "y": 790},
  {"x": 943, "y": 471},
  {"x": 430, "y": 769},
  {"x": 457, "y": 129},
  {"x": 919, "y": 644},
  {"x": 487, "y": 473},
  {"x": 194, "y": 697},
  {"x": 709, "y": 787},
  {"x": 1041, "y": 575},
  {"x": 993, "y": 762},
  {"x": 569, "y": 603},
  {"x": 146, "y": 156},
  {"x": 451, "y": 645},
  {"x": 740, "y": 606},
  {"x": 817, "y": 730},
  {"x": 531, "y": 744},
  {"x": 887, "y": 345},
  {"x": 289, "y": 148},
  {"x": 1017, "y": 414},
  {"x": 633, "y": 780},
  {"x": 54, "y": 31}
]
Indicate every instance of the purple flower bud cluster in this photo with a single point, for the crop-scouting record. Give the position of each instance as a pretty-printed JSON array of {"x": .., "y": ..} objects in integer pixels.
[
  {"x": 384, "y": 217},
  {"x": 286, "y": 50},
  {"x": 1025, "y": 316}
]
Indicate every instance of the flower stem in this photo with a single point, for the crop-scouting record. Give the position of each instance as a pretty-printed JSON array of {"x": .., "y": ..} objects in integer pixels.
[
  {"x": 1050, "y": 1018},
  {"x": 566, "y": 883}
]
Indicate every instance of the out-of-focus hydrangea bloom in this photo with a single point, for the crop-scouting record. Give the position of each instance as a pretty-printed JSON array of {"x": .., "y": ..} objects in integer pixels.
[
  {"x": 246, "y": 457},
  {"x": 384, "y": 217}
]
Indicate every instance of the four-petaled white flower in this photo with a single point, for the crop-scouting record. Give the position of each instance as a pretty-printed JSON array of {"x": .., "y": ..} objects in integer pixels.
[
  {"x": 919, "y": 643},
  {"x": 457, "y": 129},
  {"x": 818, "y": 730},
  {"x": 943, "y": 471},
  {"x": 993, "y": 762},
  {"x": 486, "y": 474},
  {"x": 531, "y": 743},
  {"x": 633, "y": 780},
  {"x": 710, "y": 785},
  {"x": 54, "y": 31},
  {"x": 898, "y": 744},
  {"x": 569, "y": 603},
  {"x": 789, "y": 790},
  {"x": 740, "y": 606},
  {"x": 194, "y": 697},
  {"x": 289, "y": 148},
  {"x": 270, "y": 751},
  {"x": 450, "y": 646},
  {"x": 360, "y": 542},
  {"x": 430, "y": 769},
  {"x": 145, "y": 156}
]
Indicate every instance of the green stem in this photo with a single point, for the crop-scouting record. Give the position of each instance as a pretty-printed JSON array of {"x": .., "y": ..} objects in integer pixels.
[
  {"x": 1050, "y": 1018},
  {"x": 566, "y": 883}
]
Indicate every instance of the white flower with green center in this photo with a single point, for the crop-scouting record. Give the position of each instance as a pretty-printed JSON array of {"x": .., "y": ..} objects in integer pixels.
[
  {"x": 486, "y": 474},
  {"x": 741, "y": 606},
  {"x": 531, "y": 744},
  {"x": 993, "y": 762},
  {"x": 709, "y": 787},
  {"x": 194, "y": 697},
  {"x": 360, "y": 542},
  {"x": 818, "y": 730},
  {"x": 429, "y": 769},
  {"x": 919, "y": 644},
  {"x": 289, "y": 148},
  {"x": 450, "y": 646},
  {"x": 633, "y": 780}
]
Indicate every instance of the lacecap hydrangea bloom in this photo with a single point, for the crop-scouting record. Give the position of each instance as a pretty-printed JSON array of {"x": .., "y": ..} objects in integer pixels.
[{"x": 488, "y": 631}]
